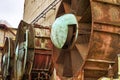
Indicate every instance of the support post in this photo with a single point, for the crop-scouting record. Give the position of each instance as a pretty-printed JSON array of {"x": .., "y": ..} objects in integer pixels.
[{"x": 119, "y": 66}]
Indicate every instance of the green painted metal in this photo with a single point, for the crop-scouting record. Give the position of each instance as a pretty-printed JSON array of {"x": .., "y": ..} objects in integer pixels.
[
  {"x": 59, "y": 31},
  {"x": 26, "y": 50},
  {"x": 8, "y": 64}
]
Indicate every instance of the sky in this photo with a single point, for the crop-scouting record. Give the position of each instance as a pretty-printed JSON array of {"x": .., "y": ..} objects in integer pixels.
[{"x": 12, "y": 11}]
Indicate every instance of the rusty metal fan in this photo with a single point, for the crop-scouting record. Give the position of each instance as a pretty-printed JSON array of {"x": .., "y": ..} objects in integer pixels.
[
  {"x": 64, "y": 33},
  {"x": 67, "y": 65},
  {"x": 7, "y": 66},
  {"x": 24, "y": 55},
  {"x": 77, "y": 7},
  {"x": 98, "y": 35}
]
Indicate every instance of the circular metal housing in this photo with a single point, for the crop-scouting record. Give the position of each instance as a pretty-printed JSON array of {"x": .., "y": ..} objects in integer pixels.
[{"x": 60, "y": 31}]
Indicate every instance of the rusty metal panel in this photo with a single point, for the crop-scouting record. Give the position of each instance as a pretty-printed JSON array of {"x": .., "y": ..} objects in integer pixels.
[
  {"x": 42, "y": 32},
  {"x": 43, "y": 53},
  {"x": 43, "y": 43},
  {"x": 101, "y": 66},
  {"x": 94, "y": 74},
  {"x": 104, "y": 46},
  {"x": 42, "y": 61},
  {"x": 104, "y": 40},
  {"x": 106, "y": 28},
  {"x": 116, "y": 2},
  {"x": 105, "y": 12},
  {"x": 42, "y": 39}
]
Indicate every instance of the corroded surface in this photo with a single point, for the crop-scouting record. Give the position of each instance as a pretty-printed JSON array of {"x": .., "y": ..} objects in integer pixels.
[
  {"x": 99, "y": 35},
  {"x": 24, "y": 54},
  {"x": 104, "y": 39},
  {"x": 42, "y": 64},
  {"x": 8, "y": 60},
  {"x": 32, "y": 58}
]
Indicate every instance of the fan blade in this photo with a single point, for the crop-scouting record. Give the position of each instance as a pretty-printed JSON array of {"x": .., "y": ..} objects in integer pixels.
[
  {"x": 86, "y": 16},
  {"x": 82, "y": 5},
  {"x": 74, "y": 5},
  {"x": 67, "y": 70},
  {"x": 77, "y": 59},
  {"x": 67, "y": 7},
  {"x": 60, "y": 59}
]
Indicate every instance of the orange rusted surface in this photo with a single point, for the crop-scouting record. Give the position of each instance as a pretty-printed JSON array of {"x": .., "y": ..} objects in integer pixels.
[
  {"x": 104, "y": 39},
  {"x": 98, "y": 40},
  {"x": 42, "y": 65},
  {"x": 32, "y": 55},
  {"x": 31, "y": 58}
]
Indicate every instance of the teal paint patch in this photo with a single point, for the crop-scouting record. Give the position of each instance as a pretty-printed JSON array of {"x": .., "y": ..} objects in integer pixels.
[{"x": 59, "y": 29}]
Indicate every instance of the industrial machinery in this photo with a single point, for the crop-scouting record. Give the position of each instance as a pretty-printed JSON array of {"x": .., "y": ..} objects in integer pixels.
[
  {"x": 110, "y": 72},
  {"x": 30, "y": 58},
  {"x": 8, "y": 59},
  {"x": 64, "y": 34},
  {"x": 86, "y": 44},
  {"x": 24, "y": 53},
  {"x": 17, "y": 59},
  {"x": 97, "y": 43},
  {"x": 42, "y": 65}
]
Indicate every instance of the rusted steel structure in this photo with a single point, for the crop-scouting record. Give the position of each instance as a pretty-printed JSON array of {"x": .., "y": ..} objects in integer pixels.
[
  {"x": 92, "y": 56},
  {"x": 42, "y": 64},
  {"x": 31, "y": 57},
  {"x": 64, "y": 34},
  {"x": 5, "y": 31},
  {"x": 98, "y": 38},
  {"x": 8, "y": 59},
  {"x": 16, "y": 58},
  {"x": 24, "y": 53}
]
